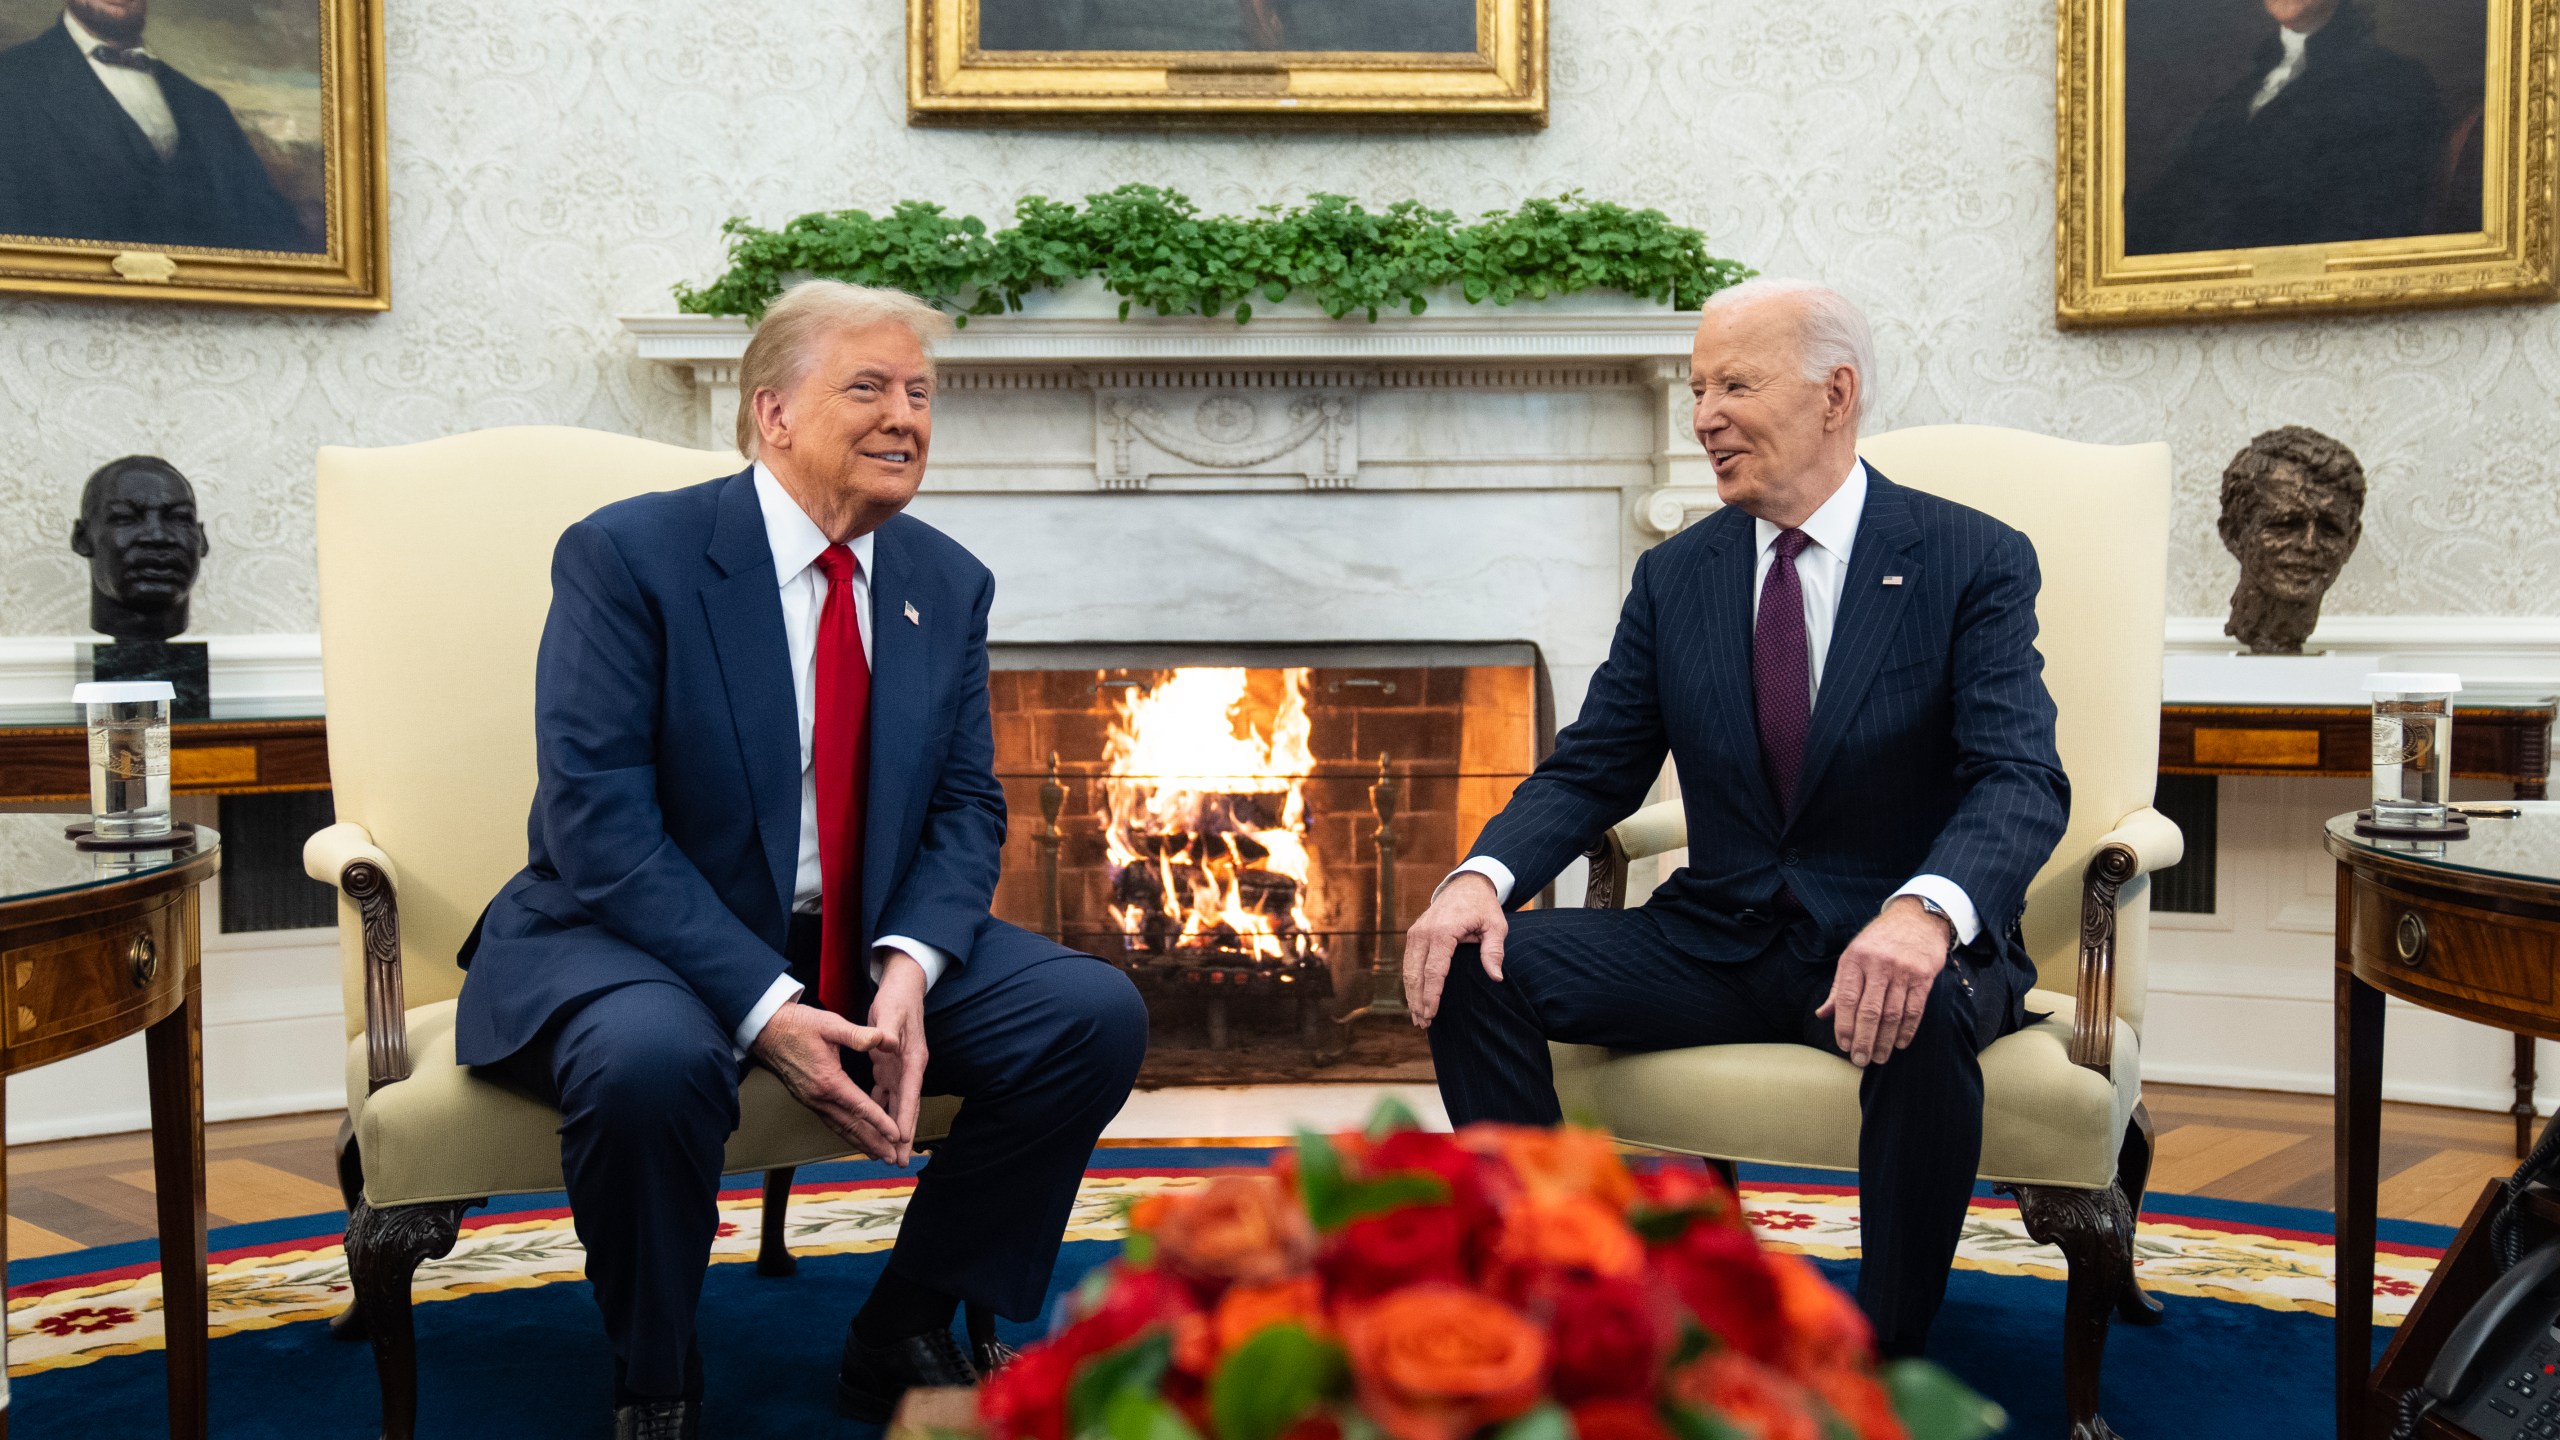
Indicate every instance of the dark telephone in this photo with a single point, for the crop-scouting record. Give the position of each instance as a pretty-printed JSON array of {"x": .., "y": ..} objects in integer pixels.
[{"x": 2498, "y": 1376}]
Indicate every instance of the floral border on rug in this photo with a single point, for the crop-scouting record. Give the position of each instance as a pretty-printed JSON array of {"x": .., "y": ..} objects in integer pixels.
[{"x": 81, "y": 1319}]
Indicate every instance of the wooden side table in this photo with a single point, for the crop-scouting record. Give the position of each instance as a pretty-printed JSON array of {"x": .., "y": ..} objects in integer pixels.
[
  {"x": 2464, "y": 927},
  {"x": 95, "y": 946}
]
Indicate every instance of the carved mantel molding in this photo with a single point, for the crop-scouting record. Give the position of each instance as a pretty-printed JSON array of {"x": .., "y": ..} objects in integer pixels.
[{"x": 1294, "y": 401}]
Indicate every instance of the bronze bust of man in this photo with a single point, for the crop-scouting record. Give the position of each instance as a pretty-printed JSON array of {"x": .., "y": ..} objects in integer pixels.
[
  {"x": 139, "y": 533},
  {"x": 2292, "y": 511}
]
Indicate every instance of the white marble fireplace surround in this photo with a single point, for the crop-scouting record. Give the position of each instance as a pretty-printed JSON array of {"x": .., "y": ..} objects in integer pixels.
[{"x": 1469, "y": 474}]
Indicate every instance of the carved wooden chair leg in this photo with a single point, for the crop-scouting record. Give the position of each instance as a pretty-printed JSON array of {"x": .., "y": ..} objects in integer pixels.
[
  {"x": 2094, "y": 1231},
  {"x": 773, "y": 1251},
  {"x": 384, "y": 1250},
  {"x": 348, "y": 1324},
  {"x": 2135, "y": 1305}
]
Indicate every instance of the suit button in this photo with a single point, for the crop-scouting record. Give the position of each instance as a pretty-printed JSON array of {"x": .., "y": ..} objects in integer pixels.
[{"x": 1788, "y": 858}]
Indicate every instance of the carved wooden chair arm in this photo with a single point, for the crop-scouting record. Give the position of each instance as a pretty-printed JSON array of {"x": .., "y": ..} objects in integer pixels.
[
  {"x": 345, "y": 856},
  {"x": 1650, "y": 831},
  {"x": 2142, "y": 842}
]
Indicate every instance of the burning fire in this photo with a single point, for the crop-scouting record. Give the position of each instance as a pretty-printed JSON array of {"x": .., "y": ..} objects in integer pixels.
[{"x": 1205, "y": 816}]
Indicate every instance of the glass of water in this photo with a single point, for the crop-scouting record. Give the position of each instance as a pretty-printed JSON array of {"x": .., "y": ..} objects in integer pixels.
[
  {"x": 128, "y": 756},
  {"x": 2412, "y": 747}
]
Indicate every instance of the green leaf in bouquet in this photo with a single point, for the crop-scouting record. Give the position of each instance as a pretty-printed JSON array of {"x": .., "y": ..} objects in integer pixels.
[
  {"x": 1658, "y": 1226},
  {"x": 1334, "y": 1199},
  {"x": 1690, "y": 1423},
  {"x": 1135, "y": 1415},
  {"x": 1270, "y": 1380},
  {"x": 1935, "y": 1405},
  {"x": 1392, "y": 1192},
  {"x": 1135, "y": 1368},
  {"x": 1694, "y": 1342},
  {"x": 1320, "y": 1179},
  {"x": 1392, "y": 1114},
  {"x": 1547, "y": 1422}
]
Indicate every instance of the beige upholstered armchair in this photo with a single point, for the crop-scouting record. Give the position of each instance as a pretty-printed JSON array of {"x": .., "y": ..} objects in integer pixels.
[
  {"x": 2063, "y": 1124},
  {"x": 435, "y": 564}
]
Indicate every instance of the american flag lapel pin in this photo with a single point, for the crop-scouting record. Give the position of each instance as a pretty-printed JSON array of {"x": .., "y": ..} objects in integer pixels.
[
  {"x": 915, "y": 619},
  {"x": 1893, "y": 579}
]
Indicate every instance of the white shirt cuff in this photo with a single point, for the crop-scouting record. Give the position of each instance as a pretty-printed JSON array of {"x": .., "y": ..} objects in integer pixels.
[
  {"x": 783, "y": 991},
  {"x": 1488, "y": 867},
  {"x": 1951, "y": 898},
  {"x": 934, "y": 959}
]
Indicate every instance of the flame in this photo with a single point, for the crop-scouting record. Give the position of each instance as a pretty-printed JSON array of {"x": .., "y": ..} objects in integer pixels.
[{"x": 1205, "y": 816}]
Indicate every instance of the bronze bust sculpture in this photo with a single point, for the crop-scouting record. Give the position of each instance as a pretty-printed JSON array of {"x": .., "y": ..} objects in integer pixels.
[
  {"x": 2292, "y": 511},
  {"x": 139, "y": 533}
]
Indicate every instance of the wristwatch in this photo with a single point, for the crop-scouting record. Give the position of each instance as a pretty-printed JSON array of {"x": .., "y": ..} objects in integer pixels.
[{"x": 1934, "y": 908}]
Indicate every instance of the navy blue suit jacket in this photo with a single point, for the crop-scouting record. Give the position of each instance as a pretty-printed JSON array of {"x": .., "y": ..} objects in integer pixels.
[
  {"x": 665, "y": 830},
  {"x": 1931, "y": 750}
]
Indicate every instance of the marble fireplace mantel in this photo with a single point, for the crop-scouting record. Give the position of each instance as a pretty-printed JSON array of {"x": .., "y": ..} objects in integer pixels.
[{"x": 1470, "y": 474}]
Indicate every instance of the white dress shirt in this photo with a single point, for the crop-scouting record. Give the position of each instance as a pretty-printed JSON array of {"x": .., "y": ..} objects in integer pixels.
[
  {"x": 1822, "y": 568},
  {"x": 138, "y": 91},
  {"x": 797, "y": 542},
  {"x": 2287, "y": 69}
]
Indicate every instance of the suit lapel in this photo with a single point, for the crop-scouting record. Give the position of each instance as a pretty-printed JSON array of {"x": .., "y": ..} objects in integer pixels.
[
  {"x": 1731, "y": 557},
  {"x": 1863, "y": 626},
  {"x": 901, "y": 687},
  {"x": 744, "y": 610}
]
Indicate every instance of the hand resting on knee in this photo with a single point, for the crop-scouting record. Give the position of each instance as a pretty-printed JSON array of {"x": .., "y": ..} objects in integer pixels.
[
  {"x": 800, "y": 1045},
  {"x": 1882, "y": 986},
  {"x": 1465, "y": 912}
]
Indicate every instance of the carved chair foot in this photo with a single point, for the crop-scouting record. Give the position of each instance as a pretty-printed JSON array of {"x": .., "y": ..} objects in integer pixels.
[
  {"x": 2094, "y": 1231},
  {"x": 384, "y": 1250},
  {"x": 773, "y": 1249}
]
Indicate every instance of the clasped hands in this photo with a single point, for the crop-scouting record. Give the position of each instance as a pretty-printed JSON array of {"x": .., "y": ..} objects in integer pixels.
[
  {"x": 803, "y": 1045},
  {"x": 1879, "y": 990}
]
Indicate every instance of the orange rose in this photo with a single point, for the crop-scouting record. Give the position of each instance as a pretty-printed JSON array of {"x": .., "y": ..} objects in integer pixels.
[
  {"x": 1568, "y": 1232},
  {"x": 1859, "y": 1399},
  {"x": 1569, "y": 1161},
  {"x": 1438, "y": 1363},
  {"x": 1147, "y": 1212},
  {"x": 1248, "y": 1308},
  {"x": 1242, "y": 1228},
  {"x": 1825, "y": 1328},
  {"x": 1747, "y": 1395}
]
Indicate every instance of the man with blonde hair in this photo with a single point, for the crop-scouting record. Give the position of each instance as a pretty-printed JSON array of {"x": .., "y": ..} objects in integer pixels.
[
  {"x": 766, "y": 831},
  {"x": 1845, "y": 673}
]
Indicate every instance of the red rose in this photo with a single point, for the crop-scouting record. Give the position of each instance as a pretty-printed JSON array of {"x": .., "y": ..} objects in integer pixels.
[
  {"x": 1607, "y": 1339},
  {"x": 1134, "y": 1301},
  {"x": 1618, "y": 1420},
  {"x": 1027, "y": 1399},
  {"x": 1747, "y": 1396},
  {"x": 1404, "y": 1246},
  {"x": 1720, "y": 1274},
  {"x": 1469, "y": 1177},
  {"x": 1687, "y": 1190},
  {"x": 1826, "y": 1329}
]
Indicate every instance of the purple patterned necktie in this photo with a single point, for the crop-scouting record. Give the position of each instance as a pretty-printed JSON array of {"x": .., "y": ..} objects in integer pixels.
[{"x": 1782, "y": 669}]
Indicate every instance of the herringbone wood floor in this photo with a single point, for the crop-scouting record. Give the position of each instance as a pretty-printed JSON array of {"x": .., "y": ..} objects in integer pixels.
[{"x": 2231, "y": 1144}]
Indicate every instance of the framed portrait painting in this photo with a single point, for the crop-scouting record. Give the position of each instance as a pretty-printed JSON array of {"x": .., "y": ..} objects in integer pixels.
[
  {"x": 1337, "y": 61},
  {"x": 207, "y": 150},
  {"x": 2225, "y": 159}
]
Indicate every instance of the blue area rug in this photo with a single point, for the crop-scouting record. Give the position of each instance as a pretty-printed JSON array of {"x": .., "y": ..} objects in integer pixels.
[{"x": 509, "y": 1343}]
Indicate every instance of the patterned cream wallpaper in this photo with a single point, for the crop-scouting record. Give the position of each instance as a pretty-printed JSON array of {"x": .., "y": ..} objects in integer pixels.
[{"x": 554, "y": 166}]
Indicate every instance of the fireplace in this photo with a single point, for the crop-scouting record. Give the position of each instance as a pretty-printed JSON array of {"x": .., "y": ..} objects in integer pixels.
[{"x": 1247, "y": 829}]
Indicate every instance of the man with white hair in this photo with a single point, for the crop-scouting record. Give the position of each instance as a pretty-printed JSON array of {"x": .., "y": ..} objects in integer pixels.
[
  {"x": 1845, "y": 673},
  {"x": 766, "y": 830}
]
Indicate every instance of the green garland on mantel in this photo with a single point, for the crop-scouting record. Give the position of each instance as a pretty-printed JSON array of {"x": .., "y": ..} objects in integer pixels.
[{"x": 1154, "y": 249}]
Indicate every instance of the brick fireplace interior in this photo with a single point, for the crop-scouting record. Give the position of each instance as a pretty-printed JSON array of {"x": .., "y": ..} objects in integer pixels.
[{"x": 1263, "y": 759}]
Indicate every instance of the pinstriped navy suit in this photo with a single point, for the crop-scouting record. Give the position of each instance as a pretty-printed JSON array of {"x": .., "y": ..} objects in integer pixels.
[{"x": 1931, "y": 752}]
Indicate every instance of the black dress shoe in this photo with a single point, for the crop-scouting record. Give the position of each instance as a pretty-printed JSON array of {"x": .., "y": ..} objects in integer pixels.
[
  {"x": 658, "y": 1420},
  {"x": 874, "y": 1377}
]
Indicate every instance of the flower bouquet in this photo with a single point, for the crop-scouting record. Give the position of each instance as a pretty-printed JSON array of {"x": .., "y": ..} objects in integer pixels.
[{"x": 1515, "y": 1283}]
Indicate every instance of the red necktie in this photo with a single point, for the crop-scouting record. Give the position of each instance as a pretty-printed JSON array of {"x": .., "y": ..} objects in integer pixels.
[{"x": 840, "y": 753}]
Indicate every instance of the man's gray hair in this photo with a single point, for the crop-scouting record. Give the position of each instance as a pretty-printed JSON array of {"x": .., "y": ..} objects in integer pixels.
[
  {"x": 1831, "y": 331},
  {"x": 786, "y": 339}
]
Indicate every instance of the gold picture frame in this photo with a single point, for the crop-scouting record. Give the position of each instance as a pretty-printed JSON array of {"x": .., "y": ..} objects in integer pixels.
[
  {"x": 1035, "y": 79},
  {"x": 335, "y": 186},
  {"x": 2124, "y": 165}
]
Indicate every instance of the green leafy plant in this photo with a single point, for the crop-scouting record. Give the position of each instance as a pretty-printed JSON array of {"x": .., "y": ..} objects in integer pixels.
[{"x": 1153, "y": 248}]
